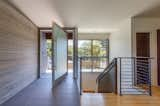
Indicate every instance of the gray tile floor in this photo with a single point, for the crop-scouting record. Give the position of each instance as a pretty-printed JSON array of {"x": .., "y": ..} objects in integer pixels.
[{"x": 40, "y": 93}]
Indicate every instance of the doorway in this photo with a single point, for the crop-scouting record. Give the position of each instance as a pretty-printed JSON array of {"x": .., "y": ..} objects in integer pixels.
[
  {"x": 49, "y": 35},
  {"x": 143, "y": 44},
  {"x": 142, "y": 53},
  {"x": 45, "y": 54},
  {"x": 73, "y": 56},
  {"x": 158, "y": 56},
  {"x": 70, "y": 55}
]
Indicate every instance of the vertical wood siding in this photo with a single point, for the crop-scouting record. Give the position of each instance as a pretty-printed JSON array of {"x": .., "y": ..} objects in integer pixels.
[{"x": 18, "y": 51}]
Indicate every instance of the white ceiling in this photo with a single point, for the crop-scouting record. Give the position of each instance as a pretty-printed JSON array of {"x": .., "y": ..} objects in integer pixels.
[
  {"x": 87, "y": 15},
  {"x": 152, "y": 12}
]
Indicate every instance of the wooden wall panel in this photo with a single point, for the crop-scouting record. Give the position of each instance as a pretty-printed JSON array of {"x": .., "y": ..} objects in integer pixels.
[{"x": 18, "y": 51}]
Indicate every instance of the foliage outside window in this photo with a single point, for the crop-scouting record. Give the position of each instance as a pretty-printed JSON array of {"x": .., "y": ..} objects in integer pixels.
[
  {"x": 96, "y": 48},
  {"x": 49, "y": 48}
]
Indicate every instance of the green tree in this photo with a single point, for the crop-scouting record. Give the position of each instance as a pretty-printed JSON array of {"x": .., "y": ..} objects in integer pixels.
[
  {"x": 49, "y": 48},
  {"x": 85, "y": 49},
  {"x": 70, "y": 50},
  {"x": 96, "y": 46}
]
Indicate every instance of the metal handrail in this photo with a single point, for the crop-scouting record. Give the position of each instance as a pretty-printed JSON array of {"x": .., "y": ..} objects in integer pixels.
[
  {"x": 138, "y": 57},
  {"x": 92, "y": 57},
  {"x": 107, "y": 69}
]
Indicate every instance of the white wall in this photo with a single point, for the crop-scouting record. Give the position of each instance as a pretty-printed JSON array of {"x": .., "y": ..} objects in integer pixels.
[
  {"x": 89, "y": 36},
  {"x": 148, "y": 25},
  {"x": 120, "y": 43},
  {"x": 89, "y": 81},
  {"x": 120, "y": 40}
]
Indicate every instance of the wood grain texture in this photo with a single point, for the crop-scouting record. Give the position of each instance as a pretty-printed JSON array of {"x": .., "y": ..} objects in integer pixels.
[
  {"x": 109, "y": 99},
  {"x": 18, "y": 51}
]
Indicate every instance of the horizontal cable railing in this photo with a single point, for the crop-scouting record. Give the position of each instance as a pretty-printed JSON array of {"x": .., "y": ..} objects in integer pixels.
[{"x": 135, "y": 75}]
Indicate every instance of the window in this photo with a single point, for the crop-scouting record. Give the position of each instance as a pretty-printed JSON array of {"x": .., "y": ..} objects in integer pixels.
[
  {"x": 94, "y": 48},
  {"x": 84, "y": 47}
]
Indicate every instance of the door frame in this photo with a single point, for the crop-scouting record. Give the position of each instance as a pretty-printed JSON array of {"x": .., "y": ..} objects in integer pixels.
[
  {"x": 41, "y": 29},
  {"x": 158, "y": 56},
  {"x": 70, "y": 37},
  {"x": 142, "y": 54},
  {"x": 74, "y": 31}
]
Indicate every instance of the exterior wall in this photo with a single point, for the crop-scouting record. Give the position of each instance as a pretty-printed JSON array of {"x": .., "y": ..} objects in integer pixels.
[
  {"x": 147, "y": 25},
  {"x": 18, "y": 51}
]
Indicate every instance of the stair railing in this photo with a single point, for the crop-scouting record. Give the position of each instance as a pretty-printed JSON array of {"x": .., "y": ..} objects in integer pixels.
[
  {"x": 112, "y": 64},
  {"x": 135, "y": 75}
]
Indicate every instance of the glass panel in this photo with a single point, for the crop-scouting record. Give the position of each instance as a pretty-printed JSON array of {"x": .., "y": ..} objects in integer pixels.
[
  {"x": 84, "y": 47},
  {"x": 70, "y": 55},
  {"x": 96, "y": 48},
  {"x": 60, "y": 52},
  {"x": 100, "y": 48},
  {"x": 49, "y": 55}
]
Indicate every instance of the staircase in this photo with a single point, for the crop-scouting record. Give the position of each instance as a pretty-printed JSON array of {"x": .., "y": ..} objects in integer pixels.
[
  {"x": 126, "y": 76},
  {"x": 107, "y": 80},
  {"x": 134, "y": 76}
]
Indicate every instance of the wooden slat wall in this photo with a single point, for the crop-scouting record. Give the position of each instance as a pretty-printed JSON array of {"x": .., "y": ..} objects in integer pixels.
[{"x": 18, "y": 51}]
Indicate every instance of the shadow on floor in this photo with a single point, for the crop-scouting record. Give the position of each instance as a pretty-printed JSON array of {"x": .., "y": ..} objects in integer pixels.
[{"x": 40, "y": 93}]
